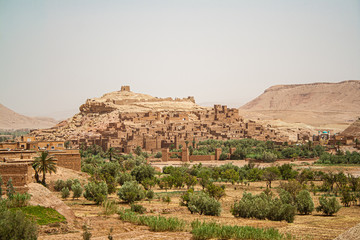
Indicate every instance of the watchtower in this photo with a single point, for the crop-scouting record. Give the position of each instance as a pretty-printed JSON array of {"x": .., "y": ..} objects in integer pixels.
[{"x": 125, "y": 89}]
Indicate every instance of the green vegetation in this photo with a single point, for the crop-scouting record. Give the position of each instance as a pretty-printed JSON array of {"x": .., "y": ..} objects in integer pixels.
[
  {"x": 65, "y": 192},
  {"x": 131, "y": 192},
  {"x": 41, "y": 215},
  {"x": 329, "y": 206},
  {"x": 263, "y": 206},
  {"x": 137, "y": 208},
  {"x": 11, "y": 135},
  {"x": 258, "y": 150},
  {"x": 96, "y": 191},
  {"x": 109, "y": 207},
  {"x": 44, "y": 163},
  {"x": 18, "y": 200},
  {"x": 304, "y": 202},
  {"x": 77, "y": 190},
  {"x": 14, "y": 225},
  {"x": 340, "y": 158},
  {"x": 203, "y": 204},
  {"x": 203, "y": 230},
  {"x": 156, "y": 224}
]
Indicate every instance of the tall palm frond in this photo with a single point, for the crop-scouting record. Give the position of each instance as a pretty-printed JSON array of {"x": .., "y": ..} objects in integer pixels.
[{"x": 45, "y": 163}]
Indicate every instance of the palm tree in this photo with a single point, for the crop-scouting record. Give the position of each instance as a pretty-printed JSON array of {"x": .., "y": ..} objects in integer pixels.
[
  {"x": 35, "y": 167},
  {"x": 45, "y": 163},
  {"x": 111, "y": 152}
]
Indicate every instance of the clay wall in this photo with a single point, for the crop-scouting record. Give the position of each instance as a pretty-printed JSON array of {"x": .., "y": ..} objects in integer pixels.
[
  {"x": 69, "y": 160},
  {"x": 8, "y": 145},
  {"x": 16, "y": 154},
  {"x": 202, "y": 158},
  {"x": 20, "y": 173}
]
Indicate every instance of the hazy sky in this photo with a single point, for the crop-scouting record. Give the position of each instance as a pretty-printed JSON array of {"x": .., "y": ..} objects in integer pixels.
[{"x": 56, "y": 54}]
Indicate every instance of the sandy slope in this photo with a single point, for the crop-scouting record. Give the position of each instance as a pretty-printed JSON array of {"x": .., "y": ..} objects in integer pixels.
[
  {"x": 12, "y": 120},
  {"x": 320, "y": 105}
]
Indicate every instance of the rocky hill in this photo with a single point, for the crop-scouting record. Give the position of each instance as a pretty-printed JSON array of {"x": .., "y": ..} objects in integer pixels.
[
  {"x": 126, "y": 117},
  {"x": 96, "y": 113},
  {"x": 353, "y": 129},
  {"x": 10, "y": 120},
  {"x": 321, "y": 105}
]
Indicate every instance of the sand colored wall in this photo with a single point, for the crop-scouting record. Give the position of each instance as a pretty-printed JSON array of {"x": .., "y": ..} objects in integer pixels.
[
  {"x": 20, "y": 173},
  {"x": 68, "y": 160},
  {"x": 202, "y": 158}
]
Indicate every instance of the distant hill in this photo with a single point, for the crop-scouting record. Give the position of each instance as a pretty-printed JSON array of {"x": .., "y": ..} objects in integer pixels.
[
  {"x": 353, "y": 129},
  {"x": 332, "y": 105},
  {"x": 12, "y": 120}
]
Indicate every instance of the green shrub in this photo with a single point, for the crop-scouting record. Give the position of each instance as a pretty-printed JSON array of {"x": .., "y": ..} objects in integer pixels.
[
  {"x": 263, "y": 206},
  {"x": 143, "y": 172},
  {"x": 19, "y": 200},
  {"x": 14, "y": 225},
  {"x": 86, "y": 234},
  {"x": 1, "y": 183},
  {"x": 77, "y": 190},
  {"x": 268, "y": 157},
  {"x": 304, "y": 202},
  {"x": 69, "y": 183},
  {"x": 156, "y": 224},
  {"x": 59, "y": 185},
  {"x": 125, "y": 177},
  {"x": 328, "y": 206},
  {"x": 286, "y": 197},
  {"x": 223, "y": 156},
  {"x": 214, "y": 191},
  {"x": 347, "y": 197},
  {"x": 109, "y": 207},
  {"x": 212, "y": 230},
  {"x": 158, "y": 155},
  {"x": 137, "y": 208},
  {"x": 185, "y": 197},
  {"x": 65, "y": 193},
  {"x": 162, "y": 224},
  {"x": 203, "y": 204},
  {"x": 166, "y": 199},
  {"x": 239, "y": 154},
  {"x": 150, "y": 194},
  {"x": 293, "y": 187},
  {"x": 10, "y": 190},
  {"x": 96, "y": 191},
  {"x": 131, "y": 192},
  {"x": 41, "y": 215}
]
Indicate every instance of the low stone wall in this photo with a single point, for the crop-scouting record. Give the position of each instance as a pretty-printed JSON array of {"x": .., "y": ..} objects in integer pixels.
[
  {"x": 20, "y": 173},
  {"x": 4, "y": 155},
  {"x": 202, "y": 158}
]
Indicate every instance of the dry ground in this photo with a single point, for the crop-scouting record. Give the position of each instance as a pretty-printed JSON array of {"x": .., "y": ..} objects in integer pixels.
[{"x": 313, "y": 226}]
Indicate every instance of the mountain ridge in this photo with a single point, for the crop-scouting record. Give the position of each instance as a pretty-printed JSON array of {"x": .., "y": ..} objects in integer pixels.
[{"x": 10, "y": 120}]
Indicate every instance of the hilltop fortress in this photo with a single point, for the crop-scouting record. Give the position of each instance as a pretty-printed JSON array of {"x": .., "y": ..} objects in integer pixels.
[{"x": 125, "y": 120}]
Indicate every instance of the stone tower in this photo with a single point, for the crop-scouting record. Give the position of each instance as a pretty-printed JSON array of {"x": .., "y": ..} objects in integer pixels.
[{"x": 125, "y": 89}]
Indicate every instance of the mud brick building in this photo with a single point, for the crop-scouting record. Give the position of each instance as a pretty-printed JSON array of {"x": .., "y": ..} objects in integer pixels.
[
  {"x": 154, "y": 131},
  {"x": 20, "y": 173},
  {"x": 125, "y": 120}
]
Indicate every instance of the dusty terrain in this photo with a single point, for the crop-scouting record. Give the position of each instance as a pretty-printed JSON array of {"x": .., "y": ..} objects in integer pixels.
[
  {"x": 353, "y": 129},
  {"x": 12, "y": 120},
  {"x": 319, "y": 105},
  {"x": 313, "y": 226}
]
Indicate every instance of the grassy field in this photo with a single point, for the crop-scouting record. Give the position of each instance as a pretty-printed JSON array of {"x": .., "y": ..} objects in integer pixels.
[{"x": 42, "y": 215}]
